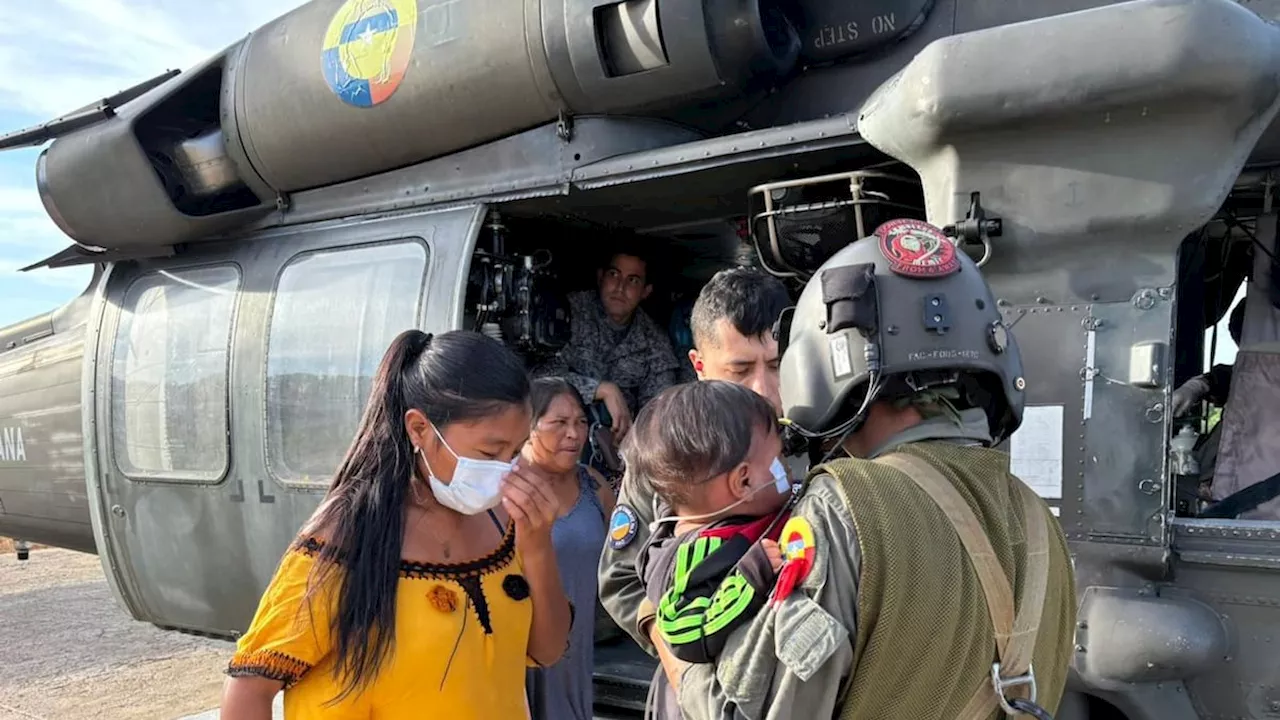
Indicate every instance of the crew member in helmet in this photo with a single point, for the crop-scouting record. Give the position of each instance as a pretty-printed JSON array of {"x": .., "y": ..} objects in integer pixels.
[{"x": 889, "y": 606}]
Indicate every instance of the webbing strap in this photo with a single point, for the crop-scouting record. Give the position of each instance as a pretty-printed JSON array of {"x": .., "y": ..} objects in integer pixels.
[
  {"x": 1015, "y": 636},
  {"x": 1035, "y": 587},
  {"x": 990, "y": 573}
]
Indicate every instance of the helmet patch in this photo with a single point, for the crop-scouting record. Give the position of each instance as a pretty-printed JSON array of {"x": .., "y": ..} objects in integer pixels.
[
  {"x": 841, "y": 359},
  {"x": 917, "y": 249}
]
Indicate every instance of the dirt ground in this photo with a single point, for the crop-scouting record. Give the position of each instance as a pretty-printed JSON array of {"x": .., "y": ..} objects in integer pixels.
[{"x": 68, "y": 651}]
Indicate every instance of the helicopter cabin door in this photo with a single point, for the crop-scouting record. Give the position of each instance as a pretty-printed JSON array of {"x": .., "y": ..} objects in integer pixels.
[{"x": 229, "y": 382}]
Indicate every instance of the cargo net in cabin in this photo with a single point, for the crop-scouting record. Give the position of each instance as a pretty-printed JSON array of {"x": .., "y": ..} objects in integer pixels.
[{"x": 796, "y": 225}]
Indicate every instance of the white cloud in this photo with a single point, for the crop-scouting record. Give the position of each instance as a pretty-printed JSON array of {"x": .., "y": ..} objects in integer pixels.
[
  {"x": 59, "y": 55},
  {"x": 26, "y": 236},
  {"x": 24, "y": 224},
  {"x": 23, "y": 221},
  {"x": 62, "y": 54},
  {"x": 18, "y": 200}
]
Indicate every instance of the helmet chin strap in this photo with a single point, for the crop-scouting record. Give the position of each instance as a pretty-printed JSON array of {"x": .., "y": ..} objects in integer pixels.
[
  {"x": 874, "y": 386},
  {"x": 871, "y": 356},
  {"x": 848, "y": 427}
]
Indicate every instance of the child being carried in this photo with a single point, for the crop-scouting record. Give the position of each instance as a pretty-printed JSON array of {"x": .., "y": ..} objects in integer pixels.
[{"x": 711, "y": 451}]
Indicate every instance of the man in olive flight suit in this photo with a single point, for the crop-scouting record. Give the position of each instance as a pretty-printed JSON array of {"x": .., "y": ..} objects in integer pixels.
[{"x": 921, "y": 579}]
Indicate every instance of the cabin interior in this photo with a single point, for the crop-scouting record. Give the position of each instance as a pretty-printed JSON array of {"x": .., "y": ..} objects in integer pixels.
[
  {"x": 687, "y": 238},
  {"x": 697, "y": 226},
  {"x": 1223, "y": 460}
]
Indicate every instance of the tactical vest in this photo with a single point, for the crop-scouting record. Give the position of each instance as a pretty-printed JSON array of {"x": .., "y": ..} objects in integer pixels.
[{"x": 931, "y": 629}]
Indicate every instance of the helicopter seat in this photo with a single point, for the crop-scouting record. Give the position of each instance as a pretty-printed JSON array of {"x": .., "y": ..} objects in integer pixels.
[{"x": 1247, "y": 475}]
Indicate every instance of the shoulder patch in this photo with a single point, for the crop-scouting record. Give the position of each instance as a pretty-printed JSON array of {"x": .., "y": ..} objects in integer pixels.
[
  {"x": 622, "y": 526},
  {"x": 798, "y": 550},
  {"x": 917, "y": 249},
  {"x": 797, "y": 540}
]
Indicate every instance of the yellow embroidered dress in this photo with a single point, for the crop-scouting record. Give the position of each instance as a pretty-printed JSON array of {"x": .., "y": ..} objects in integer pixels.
[{"x": 460, "y": 651}]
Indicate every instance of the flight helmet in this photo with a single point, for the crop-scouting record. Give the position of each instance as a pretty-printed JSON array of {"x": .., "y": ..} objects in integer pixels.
[{"x": 890, "y": 316}]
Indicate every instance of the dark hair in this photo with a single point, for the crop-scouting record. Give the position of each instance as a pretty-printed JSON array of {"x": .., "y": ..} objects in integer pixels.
[
  {"x": 750, "y": 299},
  {"x": 546, "y": 389},
  {"x": 1235, "y": 325},
  {"x": 632, "y": 247},
  {"x": 455, "y": 377},
  {"x": 693, "y": 432}
]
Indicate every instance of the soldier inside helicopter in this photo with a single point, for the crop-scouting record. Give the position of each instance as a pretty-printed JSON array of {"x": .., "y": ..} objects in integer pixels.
[
  {"x": 529, "y": 288},
  {"x": 616, "y": 353}
]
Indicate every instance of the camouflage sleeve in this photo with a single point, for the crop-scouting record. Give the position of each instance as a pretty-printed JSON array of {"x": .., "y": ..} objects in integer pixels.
[
  {"x": 664, "y": 370},
  {"x": 583, "y": 329},
  {"x": 556, "y": 366},
  {"x": 794, "y": 659},
  {"x": 622, "y": 591}
]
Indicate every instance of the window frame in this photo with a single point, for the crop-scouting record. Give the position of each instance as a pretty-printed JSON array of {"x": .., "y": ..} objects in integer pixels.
[
  {"x": 114, "y": 398},
  {"x": 270, "y": 461}
]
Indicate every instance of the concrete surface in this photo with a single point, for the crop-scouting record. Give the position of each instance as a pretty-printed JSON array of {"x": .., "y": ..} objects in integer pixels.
[{"x": 69, "y": 652}]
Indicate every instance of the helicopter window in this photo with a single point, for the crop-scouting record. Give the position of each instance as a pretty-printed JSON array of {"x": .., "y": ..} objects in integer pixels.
[
  {"x": 335, "y": 313},
  {"x": 169, "y": 374},
  {"x": 1221, "y": 452}
]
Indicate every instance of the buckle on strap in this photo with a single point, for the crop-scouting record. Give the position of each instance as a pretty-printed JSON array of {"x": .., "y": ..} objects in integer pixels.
[{"x": 1000, "y": 683}]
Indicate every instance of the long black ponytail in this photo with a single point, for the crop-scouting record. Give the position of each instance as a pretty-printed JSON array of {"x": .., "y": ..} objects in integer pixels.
[{"x": 454, "y": 377}]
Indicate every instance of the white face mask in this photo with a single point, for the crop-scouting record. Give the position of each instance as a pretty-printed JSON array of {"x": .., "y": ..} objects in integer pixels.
[
  {"x": 780, "y": 479},
  {"x": 476, "y": 485},
  {"x": 781, "y": 483}
]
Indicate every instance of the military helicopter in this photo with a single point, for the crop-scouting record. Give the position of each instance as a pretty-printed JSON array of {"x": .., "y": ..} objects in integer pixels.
[{"x": 262, "y": 225}]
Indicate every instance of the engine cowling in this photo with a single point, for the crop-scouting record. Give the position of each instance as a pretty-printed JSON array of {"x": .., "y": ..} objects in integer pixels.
[{"x": 337, "y": 90}]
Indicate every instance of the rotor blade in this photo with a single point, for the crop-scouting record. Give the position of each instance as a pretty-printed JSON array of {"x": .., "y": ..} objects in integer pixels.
[{"x": 83, "y": 117}]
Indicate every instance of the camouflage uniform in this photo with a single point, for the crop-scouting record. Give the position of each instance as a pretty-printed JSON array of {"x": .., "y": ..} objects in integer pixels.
[{"x": 637, "y": 358}]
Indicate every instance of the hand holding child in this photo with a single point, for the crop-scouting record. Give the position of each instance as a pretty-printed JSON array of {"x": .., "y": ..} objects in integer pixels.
[{"x": 773, "y": 552}]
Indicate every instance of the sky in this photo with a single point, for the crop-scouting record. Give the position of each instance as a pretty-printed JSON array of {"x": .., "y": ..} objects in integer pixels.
[
  {"x": 1226, "y": 352},
  {"x": 62, "y": 55}
]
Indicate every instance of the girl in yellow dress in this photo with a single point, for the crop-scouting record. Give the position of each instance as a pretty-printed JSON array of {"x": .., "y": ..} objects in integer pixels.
[{"x": 426, "y": 582}]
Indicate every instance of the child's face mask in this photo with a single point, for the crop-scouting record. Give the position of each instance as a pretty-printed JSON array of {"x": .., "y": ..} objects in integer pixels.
[{"x": 781, "y": 483}]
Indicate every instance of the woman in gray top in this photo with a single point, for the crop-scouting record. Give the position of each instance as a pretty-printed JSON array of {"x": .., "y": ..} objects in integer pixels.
[{"x": 563, "y": 691}]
